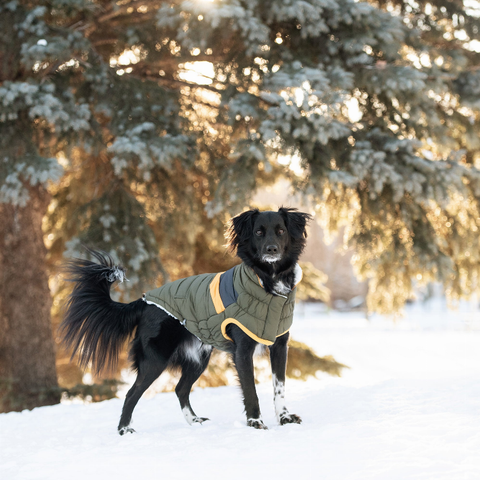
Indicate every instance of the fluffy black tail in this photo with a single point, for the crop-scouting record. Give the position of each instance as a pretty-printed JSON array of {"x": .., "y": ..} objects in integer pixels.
[{"x": 94, "y": 325}]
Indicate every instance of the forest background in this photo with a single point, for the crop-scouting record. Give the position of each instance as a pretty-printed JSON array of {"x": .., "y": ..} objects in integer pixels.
[{"x": 141, "y": 126}]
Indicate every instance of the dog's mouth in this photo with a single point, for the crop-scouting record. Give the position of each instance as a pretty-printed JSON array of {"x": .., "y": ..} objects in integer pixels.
[{"x": 269, "y": 258}]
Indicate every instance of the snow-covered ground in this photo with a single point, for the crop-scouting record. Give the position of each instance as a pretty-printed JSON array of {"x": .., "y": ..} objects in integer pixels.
[{"x": 408, "y": 408}]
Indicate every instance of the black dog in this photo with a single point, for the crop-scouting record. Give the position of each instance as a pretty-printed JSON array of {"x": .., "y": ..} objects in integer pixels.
[{"x": 95, "y": 327}]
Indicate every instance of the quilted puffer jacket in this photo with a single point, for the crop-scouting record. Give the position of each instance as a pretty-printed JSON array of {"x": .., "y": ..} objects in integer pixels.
[{"x": 206, "y": 304}]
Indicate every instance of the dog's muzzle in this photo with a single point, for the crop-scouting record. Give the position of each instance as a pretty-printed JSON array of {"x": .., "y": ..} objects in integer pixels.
[{"x": 271, "y": 258}]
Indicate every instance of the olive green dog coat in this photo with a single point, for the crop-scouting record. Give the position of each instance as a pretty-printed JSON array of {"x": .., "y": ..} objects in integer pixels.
[{"x": 206, "y": 304}]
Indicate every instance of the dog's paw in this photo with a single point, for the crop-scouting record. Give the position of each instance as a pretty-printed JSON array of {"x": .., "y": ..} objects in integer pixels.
[
  {"x": 124, "y": 430},
  {"x": 289, "y": 418},
  {"x": 199, "y": 420},
  {"x": 256, "y": 423},
  {"x": 191, "y": 418}
]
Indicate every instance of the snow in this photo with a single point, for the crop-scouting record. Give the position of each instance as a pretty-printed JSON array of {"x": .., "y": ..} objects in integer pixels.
[{"x": 408, "y": 408}]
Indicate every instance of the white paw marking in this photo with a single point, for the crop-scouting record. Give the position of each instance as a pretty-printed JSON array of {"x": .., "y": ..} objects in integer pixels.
[
  {"x": 256, "y": 423},
  {"x": 124, "y": 430},
  {"x": 191, "y": 418},
  {"x": 289, "y": 418},
  {"x": 279, "y": 397}
]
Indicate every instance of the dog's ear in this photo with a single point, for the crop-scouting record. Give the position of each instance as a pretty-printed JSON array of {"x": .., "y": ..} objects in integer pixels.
[
  {"x": 240, "y": 229},
  {"x": 295, "y": 221}
]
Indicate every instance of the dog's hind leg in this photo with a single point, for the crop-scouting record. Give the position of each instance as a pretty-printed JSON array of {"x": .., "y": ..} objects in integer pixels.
[
  {"x": 278, "y": 359},
  {"x": 158, "y": 336},
  {"x": 193, "y": 360},
  {"x": 146, "y": 376}
]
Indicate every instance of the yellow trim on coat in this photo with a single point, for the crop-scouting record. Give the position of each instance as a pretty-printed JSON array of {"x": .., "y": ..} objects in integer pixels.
[
  {"x": 228, "y": 321},
  {"x": 283, "y": 333},
  {"x": 215, "y": 293}
]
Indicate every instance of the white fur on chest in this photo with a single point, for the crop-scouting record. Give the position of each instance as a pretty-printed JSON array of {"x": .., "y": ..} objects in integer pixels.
[{"x": 283, "y": 289}]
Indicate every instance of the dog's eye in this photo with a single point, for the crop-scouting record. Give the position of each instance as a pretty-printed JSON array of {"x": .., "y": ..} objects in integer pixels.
[
  {"x": 281, "y": 231},
  {"x": 259, "y": 233}
]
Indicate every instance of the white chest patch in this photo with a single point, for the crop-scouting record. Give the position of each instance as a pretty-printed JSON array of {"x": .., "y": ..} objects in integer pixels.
[
  {"x": 298, "y": 272},
  {"x": 283, "y": 289}
]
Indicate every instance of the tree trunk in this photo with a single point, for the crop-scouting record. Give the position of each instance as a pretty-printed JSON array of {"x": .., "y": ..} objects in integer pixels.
[{"x": 28, "y": 377}]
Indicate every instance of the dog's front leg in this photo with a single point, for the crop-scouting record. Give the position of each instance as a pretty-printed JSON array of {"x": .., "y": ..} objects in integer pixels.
[
  {"x": 243, "y": 359},
  {"x": 278, "y": 359}
]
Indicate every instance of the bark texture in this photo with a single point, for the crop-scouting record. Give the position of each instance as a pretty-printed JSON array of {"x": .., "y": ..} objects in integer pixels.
[{"x": 27, "y": 355}]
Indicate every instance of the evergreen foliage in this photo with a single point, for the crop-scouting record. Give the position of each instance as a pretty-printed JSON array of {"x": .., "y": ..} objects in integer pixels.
[{"x": 166, "y": 116}]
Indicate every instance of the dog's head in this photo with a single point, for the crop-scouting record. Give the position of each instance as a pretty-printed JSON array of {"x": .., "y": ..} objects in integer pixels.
[{"x": 268, "y": 237}]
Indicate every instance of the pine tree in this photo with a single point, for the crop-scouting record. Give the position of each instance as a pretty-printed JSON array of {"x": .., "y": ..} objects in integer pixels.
[
  {"x": 281, "y": 78},
  {"x": 150, "y": 122}
]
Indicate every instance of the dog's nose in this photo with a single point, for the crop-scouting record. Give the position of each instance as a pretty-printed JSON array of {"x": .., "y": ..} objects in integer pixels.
[{"x": 272, "y": 249}]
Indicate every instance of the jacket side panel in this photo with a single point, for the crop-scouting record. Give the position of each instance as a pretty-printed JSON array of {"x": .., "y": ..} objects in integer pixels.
[
  {"x": 165, "y": 298},
  {"x": 195, "y": 301},
  {"x": 188, "y": 298}
]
